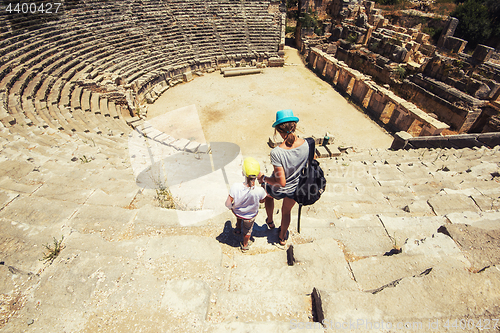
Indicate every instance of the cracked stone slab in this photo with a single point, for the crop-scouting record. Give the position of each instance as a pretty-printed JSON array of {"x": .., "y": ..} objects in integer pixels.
[
  {"x": 318, "y": 264},
  {"x": 78, "y": 284},
  {"x": 364, "y": 236},
  {"x": 154, "y": 220},
  {"x": 372, "y": 273},
  {"x": 185, "y": 247},
  {"x": 188, "y": 297},
  {"x": 443, "y": 203},
  {"x": 101, "y": 198},
  {"x": 448, "y": 291},
  {"x": 479, "y": 246},
  {"x": 437, "y": 245},
  {"x": 6, "y": 197},
  {"x": 361, "y": 208},
  {"x": 22, "y": 244},
  {"x": 269, "y": 326},
  {"x": 402, "y": 228},
  {"x": 484, "y": 170},
  {"x": 487, "y": 203},
  {"x": 65, "y": 189},
  {"x": 483, "y": 220},
  {"x": 273, "y": 305},
  {"x": 38, "y": 211},
  {"x": 384, "y": 173},
  {"x": 110, "y": 223},
  {"x": 15, "y": 169},
  {"x": 21, "y": 186}
]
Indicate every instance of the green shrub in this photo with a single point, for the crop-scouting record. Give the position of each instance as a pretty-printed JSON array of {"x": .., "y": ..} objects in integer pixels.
[
  {"x": 400, "y": 72},
  {"x": 352, "y": 38},
  {"x": 479, "y": 20}
]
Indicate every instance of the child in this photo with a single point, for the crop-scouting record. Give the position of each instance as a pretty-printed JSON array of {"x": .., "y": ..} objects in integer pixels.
[{"x": 244, "y": 200}]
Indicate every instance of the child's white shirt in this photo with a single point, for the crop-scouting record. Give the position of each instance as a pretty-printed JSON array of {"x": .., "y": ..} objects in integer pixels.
[{"x": 246, "y": 200}]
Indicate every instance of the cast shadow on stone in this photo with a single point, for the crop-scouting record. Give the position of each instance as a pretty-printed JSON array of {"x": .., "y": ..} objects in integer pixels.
[
  {"x": 228, "y": 237},
  {"x": 183, "y": 167},
  {"x": 264, "y": 231}
]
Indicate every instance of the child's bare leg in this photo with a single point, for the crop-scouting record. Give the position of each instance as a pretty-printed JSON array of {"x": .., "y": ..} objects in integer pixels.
[
  {"x": 247, "y": 227},
  {"x": 246, "y": 238}
]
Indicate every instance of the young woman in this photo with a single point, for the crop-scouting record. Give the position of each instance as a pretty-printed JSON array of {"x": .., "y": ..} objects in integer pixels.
[{"x": 288, "y": 159}]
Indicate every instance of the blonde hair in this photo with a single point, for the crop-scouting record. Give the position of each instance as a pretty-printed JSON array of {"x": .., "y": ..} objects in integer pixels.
[{"x": 250, "y": 180}]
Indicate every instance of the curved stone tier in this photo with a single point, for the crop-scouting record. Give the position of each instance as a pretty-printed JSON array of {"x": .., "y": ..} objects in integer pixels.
[
  {"x": 85, "y": 69},
  {"x": 129, "y": 265}
]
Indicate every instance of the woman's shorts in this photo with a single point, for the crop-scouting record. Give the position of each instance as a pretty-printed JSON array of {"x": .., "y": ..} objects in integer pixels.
[{"x": 277, "y": 195}]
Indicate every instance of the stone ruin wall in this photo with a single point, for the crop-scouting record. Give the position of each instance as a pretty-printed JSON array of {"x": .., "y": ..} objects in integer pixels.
[{"x": 459, "y": 92}]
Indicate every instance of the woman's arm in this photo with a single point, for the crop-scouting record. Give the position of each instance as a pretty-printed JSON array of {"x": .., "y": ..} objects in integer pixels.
[{"x": 278, "y": 178}]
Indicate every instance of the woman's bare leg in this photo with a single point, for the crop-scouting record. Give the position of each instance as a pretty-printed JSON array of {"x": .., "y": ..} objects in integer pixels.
[
  {"x": 286, "y": 211},
  {"x": 269, "y": 204}
]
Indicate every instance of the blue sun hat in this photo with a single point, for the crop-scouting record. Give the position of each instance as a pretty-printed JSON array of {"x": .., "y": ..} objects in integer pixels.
[{"x": 283, "y": 116}]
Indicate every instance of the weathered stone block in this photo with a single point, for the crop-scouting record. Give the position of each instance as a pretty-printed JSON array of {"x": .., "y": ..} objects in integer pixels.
[
  {"x": 322, "y": 152},
  {"x": 192, "y": 147},
  {"x": 180, "y": 144},
  {"x": 333, "y": 151},
  {"x": 482, "y": 53},
  {"x": 465, "y": 140},
  {"x": 489, "y": 139},
  {"x": 188, "y": 76},
  {"x": 400, "y": 140},
  {"x": 455, "y": 44},
  {"x": 276, "y": 62}
]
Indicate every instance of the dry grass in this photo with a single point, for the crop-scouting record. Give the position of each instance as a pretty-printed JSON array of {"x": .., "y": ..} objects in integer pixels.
[{"x": 52, "y": 252}]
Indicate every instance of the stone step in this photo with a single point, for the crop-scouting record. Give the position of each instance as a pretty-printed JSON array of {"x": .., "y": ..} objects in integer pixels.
[{"x": 377, "y": 307}]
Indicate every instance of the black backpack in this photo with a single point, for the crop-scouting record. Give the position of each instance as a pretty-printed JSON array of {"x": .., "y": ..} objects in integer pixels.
[{"x": 312, "y": 182}]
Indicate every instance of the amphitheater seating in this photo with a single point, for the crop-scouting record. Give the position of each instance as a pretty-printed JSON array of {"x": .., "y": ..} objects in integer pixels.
[
  {"x": 46, "y": 60},
  {"x": 84, "y": 187}
]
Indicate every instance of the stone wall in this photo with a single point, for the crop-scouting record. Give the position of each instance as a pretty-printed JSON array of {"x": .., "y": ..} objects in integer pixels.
[
  {"x": 379, "y": 102},
  {"x": 404, "y": 140},
  {"x": 458, "y": 89}
]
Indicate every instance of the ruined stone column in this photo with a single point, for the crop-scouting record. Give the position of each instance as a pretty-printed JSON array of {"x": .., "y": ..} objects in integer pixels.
[{"x": 449, "y": 31}]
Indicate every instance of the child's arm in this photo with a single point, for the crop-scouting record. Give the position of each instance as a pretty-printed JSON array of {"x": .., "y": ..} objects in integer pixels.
[
  {"x": 263, "y": 195},
  {"x": 229, "y": 202}
]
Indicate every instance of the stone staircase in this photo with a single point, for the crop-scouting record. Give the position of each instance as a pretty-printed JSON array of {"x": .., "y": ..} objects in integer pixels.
[{"x": 128, "y": 265}]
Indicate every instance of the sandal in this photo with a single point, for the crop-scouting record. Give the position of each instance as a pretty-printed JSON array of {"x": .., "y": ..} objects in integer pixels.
[
  {"x": 282, "y": 241},
  {"x": 281, "y": 244},
  {"x": 244, "y": 248},
  {"x": 270, "y": 225}
]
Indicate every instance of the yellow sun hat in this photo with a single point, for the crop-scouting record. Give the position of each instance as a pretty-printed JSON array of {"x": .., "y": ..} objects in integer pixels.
[{"x": 251, "y": 167}]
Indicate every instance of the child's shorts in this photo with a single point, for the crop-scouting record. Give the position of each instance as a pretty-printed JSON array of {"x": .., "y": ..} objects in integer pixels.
[{"x": 246, "y": 226}]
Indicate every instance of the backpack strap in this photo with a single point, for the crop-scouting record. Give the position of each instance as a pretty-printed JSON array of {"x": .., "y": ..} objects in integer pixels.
[{"x": 311, "y": 143}]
